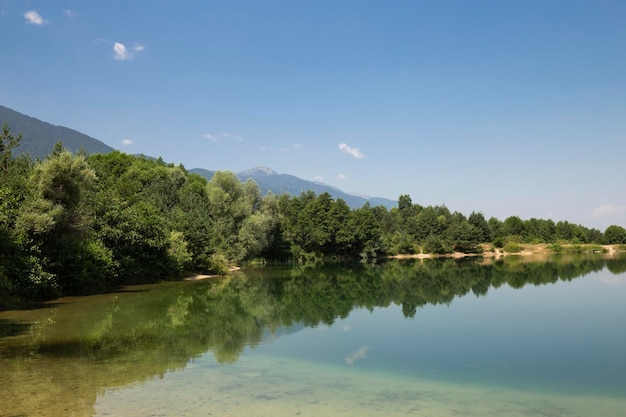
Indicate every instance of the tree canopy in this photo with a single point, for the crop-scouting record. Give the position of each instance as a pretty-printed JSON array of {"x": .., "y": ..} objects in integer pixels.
[{"x": 75, "y": 224}]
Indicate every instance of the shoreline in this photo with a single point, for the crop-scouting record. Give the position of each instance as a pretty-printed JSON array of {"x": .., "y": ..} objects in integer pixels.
[
  {"x": 527, "y": 250},
  {"x": 197, "y": 277}
]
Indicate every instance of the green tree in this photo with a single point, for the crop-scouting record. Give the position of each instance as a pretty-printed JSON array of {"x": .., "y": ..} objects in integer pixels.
[
  {"x": 14, "y": 173},
  {"x": 483, "y": 231},
  {"x": 367, "y": 239},
  {"x": 8, "y": 142},
  {"x": 513, "y": 226},
  {"x": 139, "y": 238},
  {"x": 54, "y": 225},
  {"x": 232, "y": 204},
  {"x": 192, "y": 217},
  {"x": 615, "y": 235},
  {"x": 428, "y": 224},
  {"x": 496, "y": 227},
  {"x": 464, "y": 237}
]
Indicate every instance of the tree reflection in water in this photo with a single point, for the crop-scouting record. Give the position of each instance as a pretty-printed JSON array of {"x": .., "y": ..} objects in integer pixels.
[{"x": 77, "y": 348}]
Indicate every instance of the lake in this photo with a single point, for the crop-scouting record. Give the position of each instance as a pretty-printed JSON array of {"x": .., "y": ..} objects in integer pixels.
[{"x": 518, "y": 336}]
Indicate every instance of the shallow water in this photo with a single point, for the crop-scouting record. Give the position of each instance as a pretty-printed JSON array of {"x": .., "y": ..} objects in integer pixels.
[{"x": 540, "y": 339}]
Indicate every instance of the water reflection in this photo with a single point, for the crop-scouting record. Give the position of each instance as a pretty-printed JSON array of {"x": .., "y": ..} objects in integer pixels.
[{"x": 83, "y": 346}]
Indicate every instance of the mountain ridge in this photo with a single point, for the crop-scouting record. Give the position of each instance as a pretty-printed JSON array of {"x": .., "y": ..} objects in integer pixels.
[
  {"x": 39, "y": 138},
  {"x": 269, "y": 180}
]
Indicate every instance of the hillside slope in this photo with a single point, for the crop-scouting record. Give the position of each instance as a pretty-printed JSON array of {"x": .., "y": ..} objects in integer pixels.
[{"x": 39, "y": 137}]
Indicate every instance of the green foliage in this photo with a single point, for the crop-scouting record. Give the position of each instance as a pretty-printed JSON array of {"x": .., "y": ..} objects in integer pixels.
[
  {"x": 434, "y": 244},
  {"x": 558, "y": 248},
  {"x": 512, "y": 247},
  {"x": 315, "y": 227},
  {"x": 178, "y": 252},
  {"x": 241, "y": 229},
  {"x": 53, "y": 223},
  {"x": 482, "y": 229},
  {"x": 513, "y": 225},
  {"x": 464, "y": 237},
  {"x": 8, "y": 142},
  {"x": 72, "y": 224},
  {"x": 615, "y": 235},
  {"x": 218, "y": 264}
]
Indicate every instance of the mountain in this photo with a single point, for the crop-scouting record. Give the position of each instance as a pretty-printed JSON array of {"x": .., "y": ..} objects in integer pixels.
[
  {"x": 38, "y": 137},
  {"x": 269, "y": 180}
]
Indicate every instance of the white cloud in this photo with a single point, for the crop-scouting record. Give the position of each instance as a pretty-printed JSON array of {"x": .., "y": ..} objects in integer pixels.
[
  {"x": 34, "y": 18},
  {"x": 342, "y": 177},
  {"x": 229, "y": 136},
  {"x": 127, "y": 142},
  {"x": 318, "y": 178},
  {"x": 284, "y": 149},
  {"x": 298, "y": 145},
  {"x": 120, "y": 52},
  {"x": 611, "y": 280},
  {"x": 608, "y": 210},
  {"x": 215, "y": 138},
  {"x": 70, "y": 13},
  {"x": 359, "y": 354},
  {"x": 344, "y": 147}
]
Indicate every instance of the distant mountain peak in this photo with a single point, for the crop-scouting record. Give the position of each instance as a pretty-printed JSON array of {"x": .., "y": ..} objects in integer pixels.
[{"x": 260, "y": 170}]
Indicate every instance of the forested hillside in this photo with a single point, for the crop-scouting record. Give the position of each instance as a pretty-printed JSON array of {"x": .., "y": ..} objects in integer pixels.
[
  {"x": 41, "y": 136},
  {"x": 77, "y": 224}
]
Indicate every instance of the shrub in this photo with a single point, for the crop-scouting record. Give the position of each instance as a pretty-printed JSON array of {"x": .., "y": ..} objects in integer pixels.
[
  {"x": 435, "y": 244},
  {"x": 512, "y": 247},
  {"x": 218, "y": 264},
  {"x": 556, "y": 248}
]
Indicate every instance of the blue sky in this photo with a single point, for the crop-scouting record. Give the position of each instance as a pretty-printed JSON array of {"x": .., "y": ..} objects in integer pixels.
[{"x": 504, "y": 107}]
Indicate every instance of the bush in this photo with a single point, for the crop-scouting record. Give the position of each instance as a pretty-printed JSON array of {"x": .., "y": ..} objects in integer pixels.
[
  {"x": 512, "y": 247},
  {"x": 218, "y": 264},
  {"x": 435, "y": 244},
  {"x": 577, "y": 248},
  {"x": 556, "y": 248}
]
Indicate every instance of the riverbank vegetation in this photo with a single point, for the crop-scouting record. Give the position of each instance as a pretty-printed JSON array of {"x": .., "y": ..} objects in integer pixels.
[{"x": 77, "y": 224}]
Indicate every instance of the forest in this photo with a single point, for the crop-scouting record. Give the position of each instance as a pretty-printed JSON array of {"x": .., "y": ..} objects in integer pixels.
[{"x": 81, "y": 224}]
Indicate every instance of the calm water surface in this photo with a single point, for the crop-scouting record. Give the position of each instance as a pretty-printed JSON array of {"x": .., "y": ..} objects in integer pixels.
[{"x": 423, "y": 338}]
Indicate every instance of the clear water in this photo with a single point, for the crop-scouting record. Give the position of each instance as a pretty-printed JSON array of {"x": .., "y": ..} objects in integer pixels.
[{"x": 544, "y": 338}]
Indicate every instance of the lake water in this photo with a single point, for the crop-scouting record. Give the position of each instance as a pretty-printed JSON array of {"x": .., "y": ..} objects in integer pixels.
[{"x": 513, "y": 337}]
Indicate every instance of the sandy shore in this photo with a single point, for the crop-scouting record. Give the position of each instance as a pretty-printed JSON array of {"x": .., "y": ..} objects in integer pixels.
[
  {"x": 196, "y": 277},
  {"x": 488, "y": 252},
  {"x": 527, "y": 250}
]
